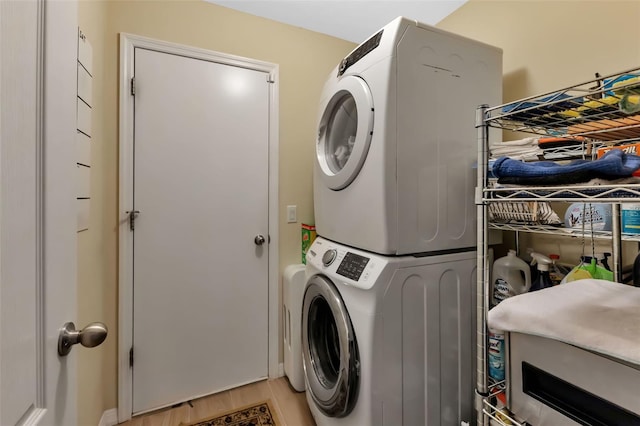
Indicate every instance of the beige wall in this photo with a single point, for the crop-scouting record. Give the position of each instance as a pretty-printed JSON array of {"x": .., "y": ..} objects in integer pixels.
[
  {"x": 97, "y": 256},
  {"x": 305, "y": 59},
  {"x": 548, "y": 45}
]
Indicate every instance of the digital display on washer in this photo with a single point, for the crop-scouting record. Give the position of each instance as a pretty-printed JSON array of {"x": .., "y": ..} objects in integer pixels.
[
  {"x": 359, "y": 53},
  {"x": 352, "y": 266}
]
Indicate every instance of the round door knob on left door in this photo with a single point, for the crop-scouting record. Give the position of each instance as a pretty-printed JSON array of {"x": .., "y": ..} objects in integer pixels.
[
  {"x": 259, "y": 240},
  {"x": 90, "y": 336}
]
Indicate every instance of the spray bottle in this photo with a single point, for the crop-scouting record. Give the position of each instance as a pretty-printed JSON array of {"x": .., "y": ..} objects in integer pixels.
[{"x": 543, "y": 280}]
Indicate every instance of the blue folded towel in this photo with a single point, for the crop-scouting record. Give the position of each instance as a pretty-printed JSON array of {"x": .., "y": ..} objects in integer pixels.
[{"x": 614, "y": 164}]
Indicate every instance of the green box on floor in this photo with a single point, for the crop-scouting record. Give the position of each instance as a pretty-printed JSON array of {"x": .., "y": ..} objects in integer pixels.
[{"x": 308, "y": 235}]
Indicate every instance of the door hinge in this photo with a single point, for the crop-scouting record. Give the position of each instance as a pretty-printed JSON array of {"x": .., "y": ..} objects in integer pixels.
[
  {"x": 131, "y": 357},
  {"x": 133, "y": 86},
  {"x": 133, "y": 214},
  {"x": 269, "y": 79}
]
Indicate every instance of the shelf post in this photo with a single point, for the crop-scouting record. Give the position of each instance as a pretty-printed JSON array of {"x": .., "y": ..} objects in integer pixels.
[
  {"x": 616, "y": 239},
  {"x": 482, "y": 271}
]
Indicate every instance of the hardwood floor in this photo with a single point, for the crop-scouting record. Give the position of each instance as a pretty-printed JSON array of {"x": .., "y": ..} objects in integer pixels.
[{"x": 291, "y": 406}]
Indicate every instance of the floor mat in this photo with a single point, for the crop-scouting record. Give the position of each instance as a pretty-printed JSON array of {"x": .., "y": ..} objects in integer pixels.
[{"x": 259, "y": 414}]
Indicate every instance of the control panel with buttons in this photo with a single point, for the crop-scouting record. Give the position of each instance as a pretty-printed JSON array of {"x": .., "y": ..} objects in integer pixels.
[
  {"x": 352, "y": 266},
  {"x": 345, "y": 265}
]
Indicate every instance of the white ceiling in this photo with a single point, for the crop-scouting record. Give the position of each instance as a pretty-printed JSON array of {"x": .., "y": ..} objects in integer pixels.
[{"x": 352, "y": 20}]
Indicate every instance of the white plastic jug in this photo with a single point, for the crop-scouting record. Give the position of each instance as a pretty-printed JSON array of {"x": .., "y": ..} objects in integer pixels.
[{"x": 511, "y": 276}]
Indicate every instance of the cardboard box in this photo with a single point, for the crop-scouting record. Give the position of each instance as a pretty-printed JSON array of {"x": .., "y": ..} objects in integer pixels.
[
  {"x": 308, "y": 235},
  {"x": 632, "y": 148}
]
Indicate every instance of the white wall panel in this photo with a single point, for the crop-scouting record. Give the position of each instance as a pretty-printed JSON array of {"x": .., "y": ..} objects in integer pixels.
[
  {"x": 85, "y": 52},
  {"x": 85, "y": 86},
  {"x": 84, "y": 117},
  {"x": 83, "y": 176},
  {"x": 83, "y": 149},
  {"x": 83, "y": 213}
]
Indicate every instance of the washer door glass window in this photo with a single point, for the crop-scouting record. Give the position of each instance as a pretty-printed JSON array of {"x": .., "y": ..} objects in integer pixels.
[
  {"x": 344, "y": 132},
  {"x": 330, "y": 351}
]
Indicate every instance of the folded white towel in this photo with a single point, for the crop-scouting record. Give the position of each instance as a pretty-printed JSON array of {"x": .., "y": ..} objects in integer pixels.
[
  {"x": 521, "y": 149},
  {"x": 592, "y": 314}
]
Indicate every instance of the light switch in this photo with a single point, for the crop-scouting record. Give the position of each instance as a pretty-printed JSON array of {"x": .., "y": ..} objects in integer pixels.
[{"x": 292, "y": 215}]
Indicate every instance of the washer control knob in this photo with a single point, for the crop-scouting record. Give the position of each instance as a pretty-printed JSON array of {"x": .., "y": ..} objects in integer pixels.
[{"x": 329, "y": 256}]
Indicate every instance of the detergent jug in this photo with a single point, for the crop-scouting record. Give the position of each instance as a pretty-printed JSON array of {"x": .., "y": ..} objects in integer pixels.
[{"x": 511, "y": 276}]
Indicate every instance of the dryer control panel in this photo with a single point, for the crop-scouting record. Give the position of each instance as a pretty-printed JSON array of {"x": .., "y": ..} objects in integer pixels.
[{"x": 359, "y": 52}]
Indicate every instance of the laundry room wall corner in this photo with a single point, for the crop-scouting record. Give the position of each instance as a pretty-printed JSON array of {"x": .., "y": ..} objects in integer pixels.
[{"x": 536, "y": 60}]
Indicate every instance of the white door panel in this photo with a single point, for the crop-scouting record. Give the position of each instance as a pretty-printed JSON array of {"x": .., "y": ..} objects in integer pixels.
[
  {"x": 18, "y": 215},
  {"x": 37, "y": 215},
  {"x": 201, "y": 186}
]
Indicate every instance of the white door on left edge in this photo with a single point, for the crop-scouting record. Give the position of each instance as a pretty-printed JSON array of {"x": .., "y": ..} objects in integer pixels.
[
  {"x": 38, "y": 41},
  {"x": 200, "y": 280}
]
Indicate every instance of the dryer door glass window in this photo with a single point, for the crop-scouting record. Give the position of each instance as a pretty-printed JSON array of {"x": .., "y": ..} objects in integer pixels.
[
  {"x": 329, "y": 349},
  {"x": 344, "y": 132},
  {"x": 341, "y": 132}
]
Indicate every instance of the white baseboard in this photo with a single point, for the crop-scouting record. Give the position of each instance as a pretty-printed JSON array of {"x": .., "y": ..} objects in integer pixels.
[
  {"x": 281, "y": 369},
  {"x": 109, "y": 418}
]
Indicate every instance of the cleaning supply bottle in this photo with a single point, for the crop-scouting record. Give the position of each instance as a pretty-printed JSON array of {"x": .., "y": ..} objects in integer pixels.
[
  {"x": 555, "y": 272},
  {"x": 636, "y": 271},
  {"x": 543, "y": 280},
  {"x": 496, "y": 355},
  {"x": 598, "y": 266},
  {"x": 511, "y": 276},
  {"x": 581, "y": 271}
]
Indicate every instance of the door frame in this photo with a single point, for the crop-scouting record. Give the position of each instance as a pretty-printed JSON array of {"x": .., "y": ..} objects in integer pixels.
[{"x": 128, "y": 44}]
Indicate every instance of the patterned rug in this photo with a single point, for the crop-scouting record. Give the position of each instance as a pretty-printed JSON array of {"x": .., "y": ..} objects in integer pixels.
[{"x": 260, "y": 414}]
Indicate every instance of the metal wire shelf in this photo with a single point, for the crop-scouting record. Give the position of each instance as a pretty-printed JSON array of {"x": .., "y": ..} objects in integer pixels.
[
  {"x": 597, "y": 194},
  {"x": 588, "y": 149},
  {"x": 498, "y": 416},
  {"x": 602, "y": 109},
  {"x": 557, "y": 231},
  {"x": 599, "y": 113}
]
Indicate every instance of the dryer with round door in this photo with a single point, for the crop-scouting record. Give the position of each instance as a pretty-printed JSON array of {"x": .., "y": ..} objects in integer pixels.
[
  {"x": 388, "y": 340},
  {"x": 396, "y": 141}
]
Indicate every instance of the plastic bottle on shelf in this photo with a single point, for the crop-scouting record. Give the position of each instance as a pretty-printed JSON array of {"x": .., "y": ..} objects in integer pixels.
[
  {"x": 598, "y": 266},
  {"x": 635, "y": 273},
  {"x": 501, "y": 409},
  {"x": 511, "y": 276},
  {"x": 555, "y": 270},
  {"x": 543, "y": 280},
  {"x": 496, "y": 355}
]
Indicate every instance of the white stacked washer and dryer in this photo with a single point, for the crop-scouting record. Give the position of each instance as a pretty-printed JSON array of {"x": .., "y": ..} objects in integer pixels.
[{"x": 388, "y": 330}]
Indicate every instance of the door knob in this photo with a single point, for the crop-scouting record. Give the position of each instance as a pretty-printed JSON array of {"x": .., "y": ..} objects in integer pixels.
[
  {"x": 89, "y": 337},
  {"x": 259, "y": 240}
]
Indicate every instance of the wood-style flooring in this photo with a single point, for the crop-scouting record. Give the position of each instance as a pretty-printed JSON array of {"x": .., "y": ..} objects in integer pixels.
[{"x": 291, "y": 406}]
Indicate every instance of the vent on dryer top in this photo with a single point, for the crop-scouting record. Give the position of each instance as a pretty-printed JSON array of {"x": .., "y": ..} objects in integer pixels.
[{"x": 360, "y": 52}]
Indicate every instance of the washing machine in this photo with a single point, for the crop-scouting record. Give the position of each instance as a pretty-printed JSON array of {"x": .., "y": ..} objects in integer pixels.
[
  {"x": 388, "y": 340},
  {"x": 396, "y": 141}
]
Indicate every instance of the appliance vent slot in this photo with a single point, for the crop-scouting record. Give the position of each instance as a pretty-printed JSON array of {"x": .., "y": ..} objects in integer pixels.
[{"x": 577, "y": 404}]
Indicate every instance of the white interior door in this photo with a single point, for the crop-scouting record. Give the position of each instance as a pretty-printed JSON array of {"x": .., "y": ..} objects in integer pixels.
[
  {"x": 200, "y": 281},
  {"x": 37, "y": 216}
]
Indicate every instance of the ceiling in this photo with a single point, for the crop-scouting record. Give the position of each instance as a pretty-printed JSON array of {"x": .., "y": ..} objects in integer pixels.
[{"x": 352, "y": 20}]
